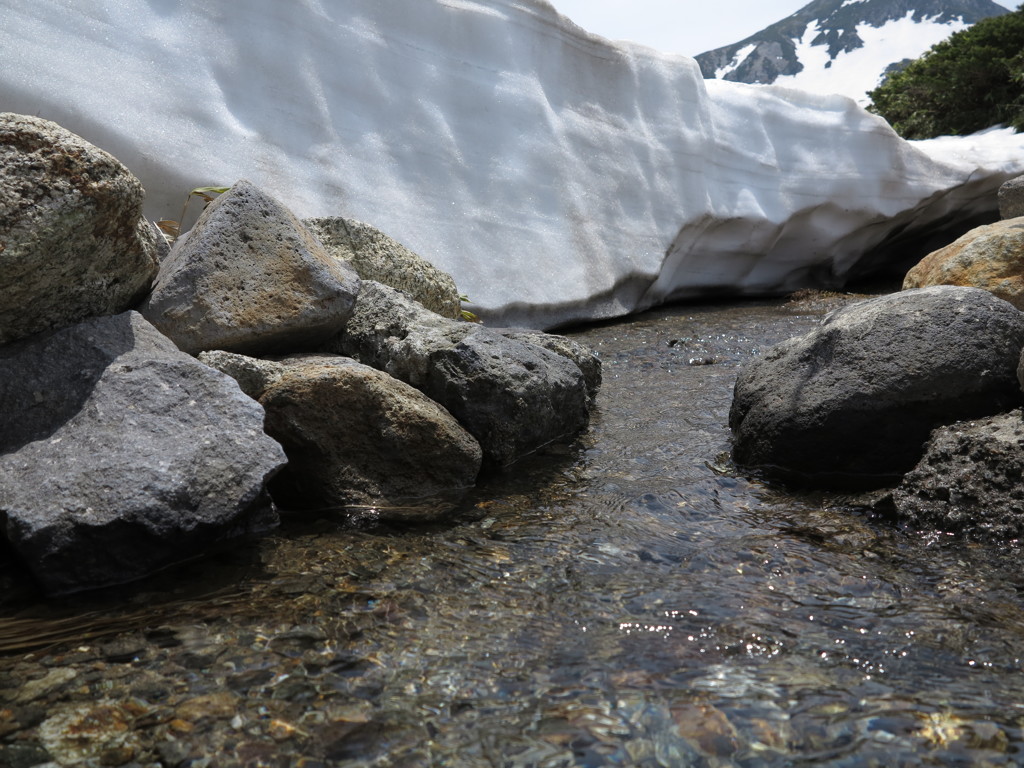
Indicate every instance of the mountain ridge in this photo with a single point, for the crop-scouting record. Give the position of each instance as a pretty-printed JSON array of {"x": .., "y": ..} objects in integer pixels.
[{"x": 827, "y": 34}]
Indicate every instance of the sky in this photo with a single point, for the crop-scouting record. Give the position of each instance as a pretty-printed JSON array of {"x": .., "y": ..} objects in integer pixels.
[{"x": 683, "y": 26}]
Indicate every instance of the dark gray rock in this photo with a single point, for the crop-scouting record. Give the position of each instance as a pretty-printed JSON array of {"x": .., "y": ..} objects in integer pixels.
[
  {"x": 1011, "y": 199},
  {"x": 120, "y": 454},
  {"x": 375, "y": 256},
  {"x": 73, "y": 241},
  {"x": 250, "y": 278},
  {"x": 853, "y": 402},
  {"x": 355, "y": 435},
  {"x": 969, "y": 481},
  {"x": 589, "y": 363},
  {"x": 513, "y": 397}
]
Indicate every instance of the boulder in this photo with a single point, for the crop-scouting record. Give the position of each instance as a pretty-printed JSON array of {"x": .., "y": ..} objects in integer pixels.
[
  {"x": 250, "y": 278},
  {"x": 990, "y": 257},
  {"x": 969, "y": 481},
  {"x": 589, "y": 363},
  {"x": 1011, "y": 198},
  {"x": 852, "y": 402},
  {"x": 513, "y": 397},
  {"x": 375, "y": 256},
  {"x": 119, "y": 454},
  {"x": 355, "y": 435},
  {"x": 73, "y": 241}
]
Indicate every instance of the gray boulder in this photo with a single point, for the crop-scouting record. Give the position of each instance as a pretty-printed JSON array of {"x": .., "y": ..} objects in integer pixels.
[
  {"x": 853, "y": 402},
  {"x": 375, "y": 256},
  {"x": 513, "y": 397},
  {"x": 73, "y": 241},
  {"x": 1011, "y": 199},
  {"x": 250, "y": 278},
  {"x": 119, "y": 454},
  {"x": 969, "y": 481},
  {"x": 355, "y": 435},
  {"x": 589, "y": 363}
]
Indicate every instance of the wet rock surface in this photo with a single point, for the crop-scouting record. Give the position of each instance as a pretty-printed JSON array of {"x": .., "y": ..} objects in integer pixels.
[
  {"x": 852, "y": 402},
  {"x": 969, "y": 481},
  {"x": 119, "y": 454},
  {"x": 73, "y": 241},
  {"x": 633, "y": 600}
]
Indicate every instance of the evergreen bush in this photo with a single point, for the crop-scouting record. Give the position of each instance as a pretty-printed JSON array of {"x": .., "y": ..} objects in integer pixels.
[{"x": 971, "y": 81}]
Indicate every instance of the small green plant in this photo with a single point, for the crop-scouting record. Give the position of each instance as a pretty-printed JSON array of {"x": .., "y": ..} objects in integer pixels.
[
  {"x": 465, "y": 314},
  {"x": 172, "y": 229}
]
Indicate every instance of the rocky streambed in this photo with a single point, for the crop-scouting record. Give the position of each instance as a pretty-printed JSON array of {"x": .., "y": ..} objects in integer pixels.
[{"x": 626, "y": 599}]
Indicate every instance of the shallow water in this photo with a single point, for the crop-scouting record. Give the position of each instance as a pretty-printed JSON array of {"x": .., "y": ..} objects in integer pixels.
[{"x": 630, "y": 599}]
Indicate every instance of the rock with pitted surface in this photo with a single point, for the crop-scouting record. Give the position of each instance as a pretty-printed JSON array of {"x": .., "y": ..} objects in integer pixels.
[
  {"x": 989, "y": 257},
  {"x": 512, "y": 396},
  {"x": 250, "y": 278},
  {"x": 588, "y": 362},
  {"x": 120, "y": 455},
  {"x": 969, "y": 481},
  {"x": 73, "y": 241},
  {"x": 853, "y": 402},
  {"x": 375, "y": 256},
  {"x": 355, "y": 435}
]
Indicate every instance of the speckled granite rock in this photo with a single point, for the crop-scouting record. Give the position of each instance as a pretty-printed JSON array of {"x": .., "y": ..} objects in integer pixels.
[
  {"x": 375, "y": 256},
  {"x": 73, "y": 241},
  {"x": 1011, "y": 198}
]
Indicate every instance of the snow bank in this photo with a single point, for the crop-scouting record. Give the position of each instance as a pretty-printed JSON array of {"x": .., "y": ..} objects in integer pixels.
[{"x": 557, "y": 176}]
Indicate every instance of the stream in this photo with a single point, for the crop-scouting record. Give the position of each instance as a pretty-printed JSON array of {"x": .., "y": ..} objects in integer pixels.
[{"x": 627, "y": 599}]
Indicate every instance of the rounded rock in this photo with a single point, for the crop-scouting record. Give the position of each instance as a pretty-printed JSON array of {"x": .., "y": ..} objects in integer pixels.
[{"x": 851, "y": 404}]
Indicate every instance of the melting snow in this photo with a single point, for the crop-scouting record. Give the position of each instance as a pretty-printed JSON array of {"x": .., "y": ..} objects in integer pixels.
[{"x": 557, "y": 176}]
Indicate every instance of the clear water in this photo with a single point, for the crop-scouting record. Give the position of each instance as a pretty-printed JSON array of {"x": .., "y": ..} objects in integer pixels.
[{"x": 629, "y": 599}]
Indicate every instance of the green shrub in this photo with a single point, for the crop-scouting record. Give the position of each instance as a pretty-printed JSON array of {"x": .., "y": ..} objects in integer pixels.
[{"x": 971, "y": 81}]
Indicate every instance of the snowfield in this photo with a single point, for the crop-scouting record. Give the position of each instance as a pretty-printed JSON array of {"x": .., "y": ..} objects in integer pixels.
[
  {"x": 558, "y": 177},
  {"x": 856, "y": 72}
]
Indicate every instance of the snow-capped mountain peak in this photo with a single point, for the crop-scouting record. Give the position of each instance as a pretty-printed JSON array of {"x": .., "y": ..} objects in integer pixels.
[{"x": 843, "y": 46}]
